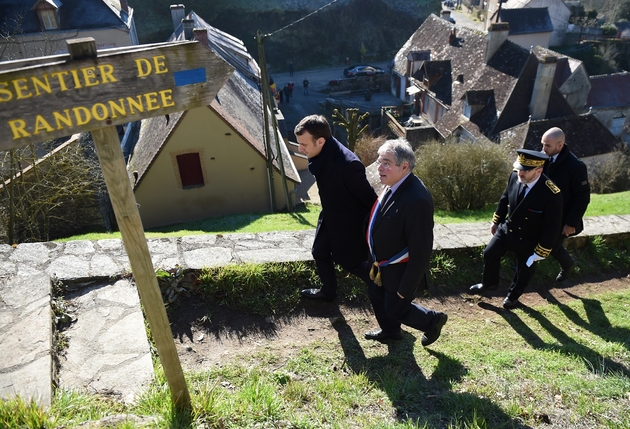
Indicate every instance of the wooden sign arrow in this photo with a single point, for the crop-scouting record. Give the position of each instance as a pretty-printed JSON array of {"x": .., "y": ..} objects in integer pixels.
[{"x": 42, "y": 101}]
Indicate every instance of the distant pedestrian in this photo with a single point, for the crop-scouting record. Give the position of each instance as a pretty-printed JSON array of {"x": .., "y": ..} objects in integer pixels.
[
  {"x": 290, "y": 88},
  {"x": 291, "y": 68},
  {"x": 285, "y": 91},
  {"x": 305, "y": 83},
  {"x": 347, "y": 60}
]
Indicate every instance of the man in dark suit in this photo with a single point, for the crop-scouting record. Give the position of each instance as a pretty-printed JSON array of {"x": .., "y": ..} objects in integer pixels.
[
  {"x": 346, "y": 197},
  {"x": 400, "y": 237},
  {"x": 569, "y": 173},
  {"x": 527, "y": 221}
]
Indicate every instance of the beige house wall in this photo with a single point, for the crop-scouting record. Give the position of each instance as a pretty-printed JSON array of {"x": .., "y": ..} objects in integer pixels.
[{"x": 234, "y": 173}]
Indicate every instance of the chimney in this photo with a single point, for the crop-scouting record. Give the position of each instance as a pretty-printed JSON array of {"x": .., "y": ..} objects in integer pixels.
[
  {"x": 178, "y": 12},
  {"x": 542, "y": 87},
  {"x": 188, "y": 28},
  {"x": 201, "y": 35},
  {"x": 124, "y": 6},
  {"x": 497, "y": 34},
  {"x": 446, "y": 14},
  {"x": 452, "y": 37}
]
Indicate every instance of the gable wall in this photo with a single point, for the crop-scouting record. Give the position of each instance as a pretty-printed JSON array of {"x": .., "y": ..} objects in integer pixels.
[
  {"x": 235, "y": 180},
  {"x": 529, "y": 40}
]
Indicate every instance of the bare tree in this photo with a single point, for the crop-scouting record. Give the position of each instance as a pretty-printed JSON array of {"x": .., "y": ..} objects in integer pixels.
[{"x": 52, "y": 196}]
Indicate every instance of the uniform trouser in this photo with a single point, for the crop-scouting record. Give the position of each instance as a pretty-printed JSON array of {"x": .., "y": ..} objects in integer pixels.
[
  {"x": 391, "y": 311},
  {"x": 326, "y": 265},
  {"x": 561, "y": 254},
  {"x": 492, "y": 254}
]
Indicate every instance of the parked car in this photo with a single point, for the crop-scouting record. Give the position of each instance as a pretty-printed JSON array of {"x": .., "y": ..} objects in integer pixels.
[{"x": 362, "y": 70}]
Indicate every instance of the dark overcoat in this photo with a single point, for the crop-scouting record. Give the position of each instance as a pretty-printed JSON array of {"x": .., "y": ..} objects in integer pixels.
[
  {"x": 569, "y": 173},
  {"x": 346, "y": 197},
  {"x": 406, "y": 221},
  {"x": 534, "y": 224}
]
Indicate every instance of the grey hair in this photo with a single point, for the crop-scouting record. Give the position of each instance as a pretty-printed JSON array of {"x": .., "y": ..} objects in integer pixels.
[{"x": 402, "y": 151}]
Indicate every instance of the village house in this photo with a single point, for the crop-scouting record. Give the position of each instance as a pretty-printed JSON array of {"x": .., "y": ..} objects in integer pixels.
[
  {"x": 212, "y": 161},
  {"x": 469, "y": 85},
  {"x": 557, "y": 10},
  {"x": 38, "y": 28}
]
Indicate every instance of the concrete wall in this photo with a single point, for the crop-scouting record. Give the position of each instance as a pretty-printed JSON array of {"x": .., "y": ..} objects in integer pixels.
[
  {"x": 235, "y": 175},
  {"x": 576, "y": 88}
]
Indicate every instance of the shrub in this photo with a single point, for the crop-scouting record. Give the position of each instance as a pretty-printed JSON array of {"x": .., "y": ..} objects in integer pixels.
[
  {"x": 612, "y": 174},
  {"x": 609, "y": 29},
  {"x": 366, "y": 148},
  {"x": 463, "y": 175}
]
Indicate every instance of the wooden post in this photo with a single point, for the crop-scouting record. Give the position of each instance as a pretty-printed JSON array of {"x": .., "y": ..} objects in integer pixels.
[{"x": 128, "y": 217}]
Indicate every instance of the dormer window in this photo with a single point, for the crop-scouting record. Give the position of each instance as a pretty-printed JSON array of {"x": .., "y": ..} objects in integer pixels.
[{"x": 48, "y": 13}]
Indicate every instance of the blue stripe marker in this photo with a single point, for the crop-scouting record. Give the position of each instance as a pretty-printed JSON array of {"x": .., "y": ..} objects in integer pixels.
[{"x": 188, "y": 77}]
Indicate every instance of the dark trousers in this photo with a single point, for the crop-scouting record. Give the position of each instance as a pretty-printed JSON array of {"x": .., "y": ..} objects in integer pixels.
[
  {"x": 391, "y": 311},
  {"x": 492, "y": 254},
  {"x": 561, "y": 254},
  {"x": 326, "y": 265}
]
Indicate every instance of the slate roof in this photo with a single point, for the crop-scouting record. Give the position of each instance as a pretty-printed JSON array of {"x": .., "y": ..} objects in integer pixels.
[
  {"x": 609, "y": 91},
  {"x": 585, "y": 135},
  {"x": 238, "y": 103},
  {"x": 509, "y": 76},
  {"x": 228, "y": 47},
  {"x": 566, "y": 65},
  {"x": 527, "y": 21},
  {"x": 73, "y": 14}
]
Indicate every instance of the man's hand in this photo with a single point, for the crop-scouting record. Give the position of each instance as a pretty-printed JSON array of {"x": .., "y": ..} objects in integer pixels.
[
  {"x": 493, "y": 228},
  {"x": 535, "y": 257},
  {"x": 568, "y": 230}
]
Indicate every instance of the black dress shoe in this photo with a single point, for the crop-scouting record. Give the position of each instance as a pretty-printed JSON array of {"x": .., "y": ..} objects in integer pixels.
[
  {"x": 379, "y": 335},
  {"x": 565, "y": 273},
  {"x": 431, "y": 336},
  {"x": 316, "y": 294},
  {"x": 508, "y": 304},
  {"x": 479, "y": 287}
]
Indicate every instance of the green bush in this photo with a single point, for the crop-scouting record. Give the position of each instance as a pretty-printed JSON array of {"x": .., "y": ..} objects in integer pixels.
[
  {"x": 612, "y": 174},
  {"x": 609, "y": 30},
  {"x": 463, "y": 176}
]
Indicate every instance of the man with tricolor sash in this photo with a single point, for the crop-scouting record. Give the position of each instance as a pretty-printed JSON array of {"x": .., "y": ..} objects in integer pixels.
[{"x": 400, "y": 240}]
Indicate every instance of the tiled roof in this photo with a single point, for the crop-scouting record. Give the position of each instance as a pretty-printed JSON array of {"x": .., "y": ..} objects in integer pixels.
[
  {"x": 73, "y": 14},
  {"x": 609, "y": 90},
  {"x": 585, "y": 135},
  {"x": 238, "y": 103},
  {"x": 527, "y": 21}
]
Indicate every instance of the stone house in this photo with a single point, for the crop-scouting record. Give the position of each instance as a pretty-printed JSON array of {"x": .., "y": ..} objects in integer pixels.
[
  {"x": 558, "y": 11},
  {"x": 609, "y": 101},
  {"x": 212, "y": 161},
  {"x": 528, "y": 27},
  {"x": 36, "y": 28},
  {"x": 472, "y": 85}
]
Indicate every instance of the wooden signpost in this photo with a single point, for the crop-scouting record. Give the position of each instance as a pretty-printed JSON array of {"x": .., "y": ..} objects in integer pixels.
[{"x": 51, "y": 97}]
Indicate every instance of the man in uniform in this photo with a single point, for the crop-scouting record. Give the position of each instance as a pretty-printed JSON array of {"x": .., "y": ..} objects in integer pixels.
[
  {"x": 527, "y": 222},
  {"x": 346, "y": 197},
  {"x": 569, "y": 173}
]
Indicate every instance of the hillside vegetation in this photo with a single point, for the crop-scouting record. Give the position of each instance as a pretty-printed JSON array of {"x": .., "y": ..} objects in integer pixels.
[{"x": 346, "y": 28}]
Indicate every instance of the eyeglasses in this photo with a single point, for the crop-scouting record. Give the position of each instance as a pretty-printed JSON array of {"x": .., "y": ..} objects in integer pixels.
[{"x": 384, "y": 163}]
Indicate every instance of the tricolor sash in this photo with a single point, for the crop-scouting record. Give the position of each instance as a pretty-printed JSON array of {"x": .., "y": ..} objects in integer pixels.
[{"x": 402, "y": 256}]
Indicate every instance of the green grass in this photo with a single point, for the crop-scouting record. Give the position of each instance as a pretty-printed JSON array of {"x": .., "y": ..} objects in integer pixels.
[
  {"x": 305, "y": 217},
  {"x": 564, "y": 364}
]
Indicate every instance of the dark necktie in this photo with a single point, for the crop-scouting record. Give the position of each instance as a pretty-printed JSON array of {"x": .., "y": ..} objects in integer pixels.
[
  {"x": 521, "y": 194},
  {"x": 386, "y": 198}
]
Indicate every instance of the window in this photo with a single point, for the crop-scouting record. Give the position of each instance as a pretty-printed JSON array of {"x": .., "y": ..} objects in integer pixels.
[
  {"x": 48, "y": 18},
  {"x": 190, "y": 172}
]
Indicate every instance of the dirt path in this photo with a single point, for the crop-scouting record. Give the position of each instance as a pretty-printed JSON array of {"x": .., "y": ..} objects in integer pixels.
[{"x": 202, "y": 343}]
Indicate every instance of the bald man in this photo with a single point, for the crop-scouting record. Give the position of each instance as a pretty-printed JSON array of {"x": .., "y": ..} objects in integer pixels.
[{"x": 568, "y": 172}]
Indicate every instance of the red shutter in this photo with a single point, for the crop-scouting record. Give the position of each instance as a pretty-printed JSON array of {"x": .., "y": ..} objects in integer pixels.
[{"x": 190, "y": 170}]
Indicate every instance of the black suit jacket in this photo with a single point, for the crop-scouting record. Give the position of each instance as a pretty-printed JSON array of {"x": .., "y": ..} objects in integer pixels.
[
  {"x": 569, "y": 173},
  {"x": 346, "y": 197},
  {"x": 534, "y": 224},
  {"x": 406, "y": 220}
]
